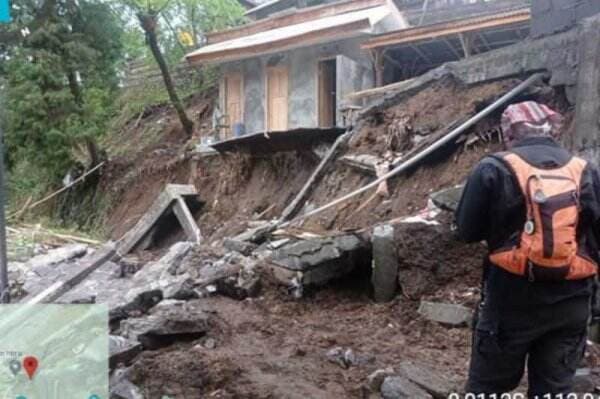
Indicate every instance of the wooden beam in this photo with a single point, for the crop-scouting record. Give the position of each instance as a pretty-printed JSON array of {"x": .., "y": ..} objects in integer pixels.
[
  {"x": 466, "y": 42},
  {"x": 304, "y": 15},
  {"x": 434, "y": 31}
]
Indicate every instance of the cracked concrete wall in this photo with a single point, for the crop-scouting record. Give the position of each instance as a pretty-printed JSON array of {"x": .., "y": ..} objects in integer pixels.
[{"x": 354, "y": 72}]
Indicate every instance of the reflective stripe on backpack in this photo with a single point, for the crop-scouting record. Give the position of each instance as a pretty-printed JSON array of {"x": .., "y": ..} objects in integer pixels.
[{"x": 548, "y": 248}]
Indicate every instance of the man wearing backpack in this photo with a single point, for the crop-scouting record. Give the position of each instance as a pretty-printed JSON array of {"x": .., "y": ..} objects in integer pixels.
[{"x": 538, "y": 209}]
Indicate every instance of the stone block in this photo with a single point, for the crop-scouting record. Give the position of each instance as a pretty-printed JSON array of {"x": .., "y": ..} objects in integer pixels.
[
  {"x": 428, "y": 379},
  {"x": 397, "y": 387},
  {"x": 446, "y": 313},
  {"x": 385, "y": 264}
]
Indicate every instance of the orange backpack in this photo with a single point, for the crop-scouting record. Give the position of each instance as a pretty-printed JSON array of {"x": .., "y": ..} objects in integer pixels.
[{"x": 548, "y": 248}]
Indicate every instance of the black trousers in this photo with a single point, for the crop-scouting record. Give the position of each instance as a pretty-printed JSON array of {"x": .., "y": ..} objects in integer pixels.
[{"x": 549, "y": 340}]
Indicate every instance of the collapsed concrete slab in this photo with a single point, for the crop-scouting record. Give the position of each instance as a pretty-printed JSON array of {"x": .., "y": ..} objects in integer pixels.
[
  {"x": 162, "y": 275},
  {"x": 122, "y": 388},
  {"x": 75, "y": 275},
  {"x": 122, "y": 351},
  {"x": 171, "y": 199},
  {"x": 167, "y": 324},
  {"x": 316, "y": 261},
  {"x": 57, "y": 255}
]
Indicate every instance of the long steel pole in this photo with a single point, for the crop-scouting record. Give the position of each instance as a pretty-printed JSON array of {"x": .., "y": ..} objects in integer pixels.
[{"x": 427, "y": 151}]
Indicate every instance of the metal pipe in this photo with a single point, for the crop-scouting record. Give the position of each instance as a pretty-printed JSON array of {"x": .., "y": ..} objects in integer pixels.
[{"x": 427, "y": 151}]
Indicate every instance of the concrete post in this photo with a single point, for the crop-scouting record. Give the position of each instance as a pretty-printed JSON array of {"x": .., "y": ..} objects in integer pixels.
[
  {"x": 385, "y": 264},
  {"x": 587, "y": 111}
]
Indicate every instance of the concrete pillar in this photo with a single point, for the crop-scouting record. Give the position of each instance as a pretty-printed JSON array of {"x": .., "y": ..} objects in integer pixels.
[
  {"x": 587, "y": 111},
  {"x": 385, "y": 264}
]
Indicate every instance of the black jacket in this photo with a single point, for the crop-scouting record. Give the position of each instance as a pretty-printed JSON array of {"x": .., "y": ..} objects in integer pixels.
[{"x": 492, "y": 209}]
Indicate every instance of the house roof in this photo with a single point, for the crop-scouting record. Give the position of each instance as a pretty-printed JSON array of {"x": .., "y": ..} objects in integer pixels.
[
  {"x": 298, "y": 16},
  {"x": 325, "y": 29},
  {"x": 444, "y": 29}
]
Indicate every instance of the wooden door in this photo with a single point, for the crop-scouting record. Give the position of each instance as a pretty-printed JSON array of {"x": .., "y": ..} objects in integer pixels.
[
  {"x": 277, "y": 98},
  {"x": 327, "y": 93},
  {"x": 233, "y": 99}
]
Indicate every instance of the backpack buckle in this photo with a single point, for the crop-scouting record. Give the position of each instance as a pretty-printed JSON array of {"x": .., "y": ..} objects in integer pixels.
[{"x": 529, "y": 227}]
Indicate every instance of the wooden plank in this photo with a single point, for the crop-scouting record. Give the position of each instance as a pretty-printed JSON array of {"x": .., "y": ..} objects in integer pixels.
[
  {"x": 296, "y": 205},
  {"x": 434, "y": 31},
  {"x": 307, "y": 14}
]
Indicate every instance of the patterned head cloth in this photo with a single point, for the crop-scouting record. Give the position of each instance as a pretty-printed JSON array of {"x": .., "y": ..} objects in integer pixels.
[{"x": 530, "y": 119}]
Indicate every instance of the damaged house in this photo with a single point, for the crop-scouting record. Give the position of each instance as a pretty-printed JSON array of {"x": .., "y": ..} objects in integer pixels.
[
  {"x": 306, "y": 66},
  {"x": 289, "y": 70}
]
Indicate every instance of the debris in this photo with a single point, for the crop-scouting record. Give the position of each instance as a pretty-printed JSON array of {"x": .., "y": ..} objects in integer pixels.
[
  {"x": 239, "y": 288},
  {"x": 428, "y": 379},
  {"x": 296, "y": 205},
  {"x": 243, "y": 247},
  {"x": 446, "y": 313},
  {"x": 167, "y": 324},
  {"x": 162, "y": 275},
  {"x": 397, "y": 387},
  {"x": 347, "y": 358},
  {"x": 87, "y": 265},
  {"x": 58, "y": 255},
  {"x": 314, "y": 262},
  {"x": 122, "y": 350},
  {"x": 375, "y": 379},
  {"x": 171, "y": 196},
  {"x": 122, "y": 388},
  {"x": 385, "y": 263}
]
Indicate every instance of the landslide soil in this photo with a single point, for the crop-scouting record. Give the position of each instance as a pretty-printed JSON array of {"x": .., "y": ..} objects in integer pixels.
[{"x": 273, "y": 347}]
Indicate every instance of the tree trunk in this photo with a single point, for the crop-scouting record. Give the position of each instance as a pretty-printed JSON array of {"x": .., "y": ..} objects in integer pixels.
[{"x": 148, "y": 22}]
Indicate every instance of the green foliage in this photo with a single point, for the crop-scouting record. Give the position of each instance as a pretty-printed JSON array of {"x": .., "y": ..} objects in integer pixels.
[{"x": 61, "y": 82}]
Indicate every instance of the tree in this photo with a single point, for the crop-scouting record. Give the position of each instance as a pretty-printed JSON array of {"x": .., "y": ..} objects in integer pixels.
[
  {"x": 147, "y": 13},
  {"x": 61, "y": 80}
]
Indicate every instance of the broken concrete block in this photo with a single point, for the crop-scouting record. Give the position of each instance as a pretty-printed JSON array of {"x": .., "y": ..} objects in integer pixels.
[
  {"x": 304, "y": 255},
  {"x": 446, "y": 313},
  {"x": 161, "y": 275},
  {"x": 138, "y": 306},
  {"x": 58, "y": 255},
  {"x": 122, "y": 388},
  {"x": 243, "y": 247},
  {"x": 165, "y": 325},
  {"x": 385, "y": 264},
  {"x": 375, "y": 379},
  {"x": 397, "y": 387},
  {"x": 171, "y": 196},
  {"x": 238, "y": 288},
  {"x": 428, "y": 379},
  {"x": 347, "y": 357},
  {"x": 122, "y": 350}
]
